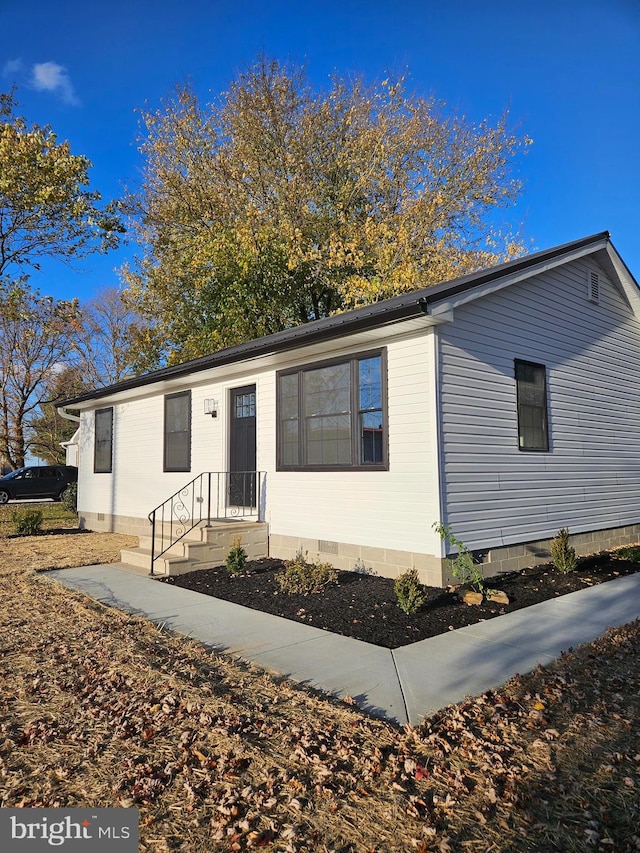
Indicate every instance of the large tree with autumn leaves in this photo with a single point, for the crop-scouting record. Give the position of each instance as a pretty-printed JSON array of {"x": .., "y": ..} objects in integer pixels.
[
  {"x": 276, "y": 205},
  {"x": 47, "y": 209},
  {"x": 46, "y": 206}
]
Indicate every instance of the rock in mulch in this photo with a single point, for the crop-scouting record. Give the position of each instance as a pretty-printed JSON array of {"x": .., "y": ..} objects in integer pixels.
[
  {"x": 472, "y": 598},
  {"x": 498, "y": 597}
]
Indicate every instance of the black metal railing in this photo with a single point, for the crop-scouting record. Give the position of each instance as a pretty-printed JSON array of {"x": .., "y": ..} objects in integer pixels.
[{"x": 212, "y": 495}]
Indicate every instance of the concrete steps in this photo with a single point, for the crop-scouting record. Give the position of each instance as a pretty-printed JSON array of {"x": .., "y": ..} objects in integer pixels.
[{"x": 202, "y": 548}]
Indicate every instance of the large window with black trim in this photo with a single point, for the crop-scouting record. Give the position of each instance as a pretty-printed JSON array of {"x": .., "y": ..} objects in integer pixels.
[
  {"x": 177, "y": 431},
  {"x": 103, "y": 441},
  {"x": 333, "y": 415},
  {"x": 531, "y": 391}
]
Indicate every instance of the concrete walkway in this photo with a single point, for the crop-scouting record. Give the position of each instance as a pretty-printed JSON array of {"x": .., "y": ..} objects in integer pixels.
[{"x": 402, "y": 685}]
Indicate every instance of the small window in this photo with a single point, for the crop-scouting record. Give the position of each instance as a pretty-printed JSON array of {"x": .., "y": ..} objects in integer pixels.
[
  {"x": 103, "y": 447},
  {"x": 245, "y": 405},
  {"x": 177, "y": 432},
  {"x": 333, "y": 415},
  {"x": 531, "y": 390}
]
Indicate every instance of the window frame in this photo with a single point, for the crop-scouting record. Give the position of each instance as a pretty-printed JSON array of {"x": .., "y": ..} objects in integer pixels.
[
  {"x": 168, "y": 466},
  {"x": 100, "y": 467},
  {"x": 518, "y": 362},
  {"x": 354, "y": 413}
]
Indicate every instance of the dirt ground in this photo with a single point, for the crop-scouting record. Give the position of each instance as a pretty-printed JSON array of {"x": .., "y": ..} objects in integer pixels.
[
  {"x": 65, "y": 549},
  {"x": 98, "y": 708}
]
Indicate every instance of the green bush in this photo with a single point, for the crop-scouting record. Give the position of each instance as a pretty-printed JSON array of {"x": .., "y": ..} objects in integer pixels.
[
  {"x": 70, "y": 497},
  {"x": 410, "y": 594},
  {"x": 302, "y": 578},
  {"x": 27, "y": 521},
  {"x": 563, "y": 555},
  {"x": 630, "y": 553},
  {"x": 236, "y": 558},
  {"x": 461, "y": 566}
]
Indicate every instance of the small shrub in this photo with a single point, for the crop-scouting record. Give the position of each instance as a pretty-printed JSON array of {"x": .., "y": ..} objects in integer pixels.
[
  {"x": 27, "y": 521},
  {"x": 563, "y": 555},
  {"x": 236, "y": 558},
  {"x": 70, "y": 497},
  {"x": 360, "y": 567},
  {"x": 410, "y": 594},
  {"x": 461, "y": 566},
  {"x": 303, "y": 578},
  {"x": 630, "y": 553}
]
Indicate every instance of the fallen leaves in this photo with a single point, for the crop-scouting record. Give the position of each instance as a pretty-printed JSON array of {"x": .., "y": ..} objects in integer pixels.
[
  {"x": 98, "y": 707},
  {"x": 64, "y": 550}
]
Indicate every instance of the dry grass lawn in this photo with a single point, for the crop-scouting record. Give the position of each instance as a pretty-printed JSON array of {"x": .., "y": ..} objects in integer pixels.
[{"x": 99, "y": 708}]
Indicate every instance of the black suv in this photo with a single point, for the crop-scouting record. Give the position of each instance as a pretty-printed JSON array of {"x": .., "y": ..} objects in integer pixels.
[{"x": 37, "y": 481}]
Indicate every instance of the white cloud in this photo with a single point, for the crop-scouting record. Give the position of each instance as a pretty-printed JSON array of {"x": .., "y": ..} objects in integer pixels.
[
  {"x": 11, "y": 67},
  {"x": 43, "y": 77},
  {"x": 51, "y": 77}
]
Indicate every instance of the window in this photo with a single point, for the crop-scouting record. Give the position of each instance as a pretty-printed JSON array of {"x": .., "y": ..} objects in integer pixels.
[
  {"x": 103, "y": 446},
  {"x": 245, "y": 405},
  {"x": 531, "y": 390},
  {"x": 177, "y": 432},
  {"x": 333, "y": 415}
]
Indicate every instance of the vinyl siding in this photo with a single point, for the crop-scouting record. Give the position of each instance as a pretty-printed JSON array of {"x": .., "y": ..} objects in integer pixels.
[
  {"x": 138, "y": 483},
  {"x": 387, "y": 509},
  {"x": 391, "y": 509},
  {"x": 590, "y": 478}
]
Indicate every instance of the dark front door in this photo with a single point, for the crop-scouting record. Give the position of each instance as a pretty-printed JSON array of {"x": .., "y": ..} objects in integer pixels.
[{"x": 242, "y": 467}]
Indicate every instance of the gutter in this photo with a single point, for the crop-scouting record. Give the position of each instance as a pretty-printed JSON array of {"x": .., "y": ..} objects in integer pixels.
[{"x": 67, "y": 415}]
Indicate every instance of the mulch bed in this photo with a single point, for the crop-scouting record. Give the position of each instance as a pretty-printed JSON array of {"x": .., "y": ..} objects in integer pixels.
[{"x": 363, "y": 606}]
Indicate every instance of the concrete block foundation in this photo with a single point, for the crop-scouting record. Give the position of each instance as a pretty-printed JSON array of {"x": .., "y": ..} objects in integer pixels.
[
  {"x": 434, "y": 571},
  {"x": 391, "y": 563}
]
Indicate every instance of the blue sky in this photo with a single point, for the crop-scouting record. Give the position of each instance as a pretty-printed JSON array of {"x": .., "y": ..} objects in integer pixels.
[{"x": 568, "y": 71}]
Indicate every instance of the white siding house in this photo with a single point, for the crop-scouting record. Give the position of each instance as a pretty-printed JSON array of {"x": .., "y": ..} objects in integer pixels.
[{"x": 505, "y": 404}]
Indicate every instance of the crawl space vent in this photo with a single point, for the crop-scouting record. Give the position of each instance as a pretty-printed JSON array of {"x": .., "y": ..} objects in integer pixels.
[{"x": 593, "y": 286}]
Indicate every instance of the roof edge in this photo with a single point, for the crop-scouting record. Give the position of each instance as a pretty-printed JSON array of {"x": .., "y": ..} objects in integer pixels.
[{"x": 386, "y": 312}]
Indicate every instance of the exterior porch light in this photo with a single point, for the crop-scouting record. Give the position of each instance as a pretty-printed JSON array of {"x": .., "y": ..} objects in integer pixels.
[{"x": 211, "y": 407}]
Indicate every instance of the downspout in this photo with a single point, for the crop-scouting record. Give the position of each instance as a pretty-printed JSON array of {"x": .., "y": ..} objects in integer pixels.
[
  {"x": 75, "y": 419},
  {"x": 446, "y": 315}
]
